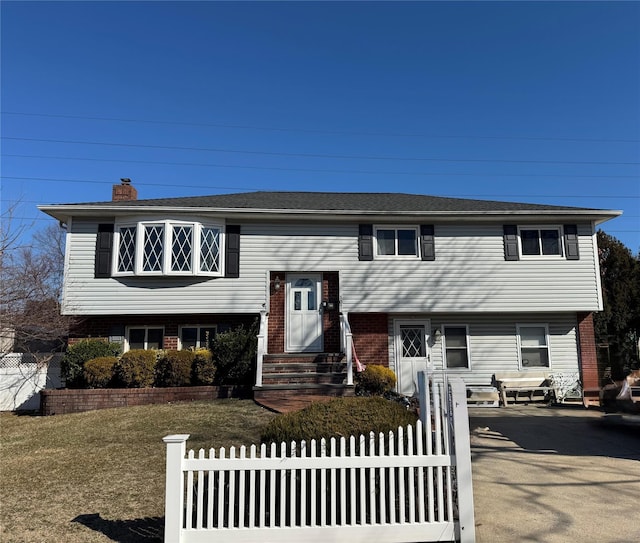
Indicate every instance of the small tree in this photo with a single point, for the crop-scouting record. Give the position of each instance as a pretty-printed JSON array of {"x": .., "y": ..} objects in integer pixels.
[
  {"x": 234, "y": 354},
  {"x": 31, "y": 274}
]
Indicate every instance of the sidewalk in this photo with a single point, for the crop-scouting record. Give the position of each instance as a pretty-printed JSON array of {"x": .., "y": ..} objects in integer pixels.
[{"x": 554, "y": 475}]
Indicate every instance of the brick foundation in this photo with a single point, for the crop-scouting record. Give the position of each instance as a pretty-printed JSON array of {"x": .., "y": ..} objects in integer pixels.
[
  {"x": 371, "y": 337},
  {"x": 588, "y": 359},
  {"x": 64, "y": 401}
]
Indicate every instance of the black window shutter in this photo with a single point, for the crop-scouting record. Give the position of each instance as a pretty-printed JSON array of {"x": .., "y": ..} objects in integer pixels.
[
  {"x": 104, "y": 250},
  {"x": 232, "y": 251},
  {"x": 511, "y": 242},
  {"x": 427, "y": 242},
  {"x": 365, "y": 242},
  {"x": 571, "y": 242}
]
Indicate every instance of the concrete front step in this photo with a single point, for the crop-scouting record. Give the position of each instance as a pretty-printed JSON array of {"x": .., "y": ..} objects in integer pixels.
[
  {"x": 302, "y": 358},
  {"x": 289, "y": 390},
  {"x": 303, "y": 367},
  {"x": 300, "y": 378}
]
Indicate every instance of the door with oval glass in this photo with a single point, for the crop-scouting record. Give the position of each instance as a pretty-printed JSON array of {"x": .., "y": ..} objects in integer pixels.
[
  {"x": 412, "y": 353},
  {"x": 304, "y": 313}
]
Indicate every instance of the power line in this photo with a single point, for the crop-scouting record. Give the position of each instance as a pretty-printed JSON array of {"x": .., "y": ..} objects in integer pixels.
[
  {"x": 218, "y": 187},
  {"x": 317, "y": 131},
  {"x": 319, "y": 155},
  {"x": 319, "y": 170}
]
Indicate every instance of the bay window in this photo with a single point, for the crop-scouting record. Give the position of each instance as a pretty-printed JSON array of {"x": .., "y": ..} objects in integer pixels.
[{"x": 168, "y": 248}]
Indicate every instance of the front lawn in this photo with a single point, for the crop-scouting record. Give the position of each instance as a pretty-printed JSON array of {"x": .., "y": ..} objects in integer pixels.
[{"x": 99, "y": 476}]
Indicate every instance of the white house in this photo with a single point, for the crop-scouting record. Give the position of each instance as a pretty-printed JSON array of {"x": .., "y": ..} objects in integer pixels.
[{"x": 466, "y": 287}]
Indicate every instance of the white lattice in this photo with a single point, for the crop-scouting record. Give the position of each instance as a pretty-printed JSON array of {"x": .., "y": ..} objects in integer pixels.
[
  {"x": 153, "y": 248},
  {"x": 412, "y": 344},
  {"x": 181, "y": 250},
  {"x": 127, "y": 249},
  {"x": 210, "y": 250}
]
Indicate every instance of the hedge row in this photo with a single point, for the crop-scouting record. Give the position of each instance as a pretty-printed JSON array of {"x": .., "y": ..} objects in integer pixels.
[
  {"x": 139, "y": 369},
  {"x": 97, "y": 364}
]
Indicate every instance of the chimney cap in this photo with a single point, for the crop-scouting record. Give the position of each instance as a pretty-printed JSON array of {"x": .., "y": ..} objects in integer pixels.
[{"x": 125, "y": 180}]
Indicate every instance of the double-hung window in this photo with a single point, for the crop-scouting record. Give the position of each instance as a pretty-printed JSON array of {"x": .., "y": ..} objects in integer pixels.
[
  {"x": 533, "y": 346},
  {"x": 196, "y": 337},
  {"x": 144, "y": 337},
  {"x": 168, "y": 248},
  {"x": 396, "y": 241},
  {"x": 455, "y": 346},
  {"x": 544, "y": 241}
]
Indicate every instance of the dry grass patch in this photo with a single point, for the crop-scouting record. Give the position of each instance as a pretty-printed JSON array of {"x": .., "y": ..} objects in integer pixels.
[{"x": 99, "y": 476}]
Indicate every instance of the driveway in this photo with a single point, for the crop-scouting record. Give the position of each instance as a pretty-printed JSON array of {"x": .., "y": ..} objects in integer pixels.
[{"x": 544, "y": 474}]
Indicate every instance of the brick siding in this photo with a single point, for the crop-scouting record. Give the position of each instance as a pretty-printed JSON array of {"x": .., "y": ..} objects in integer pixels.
[
  {"x": 371, "y": 337},
  {"x": 589, "y": 373},
  {"x": 102, "y": 327}
]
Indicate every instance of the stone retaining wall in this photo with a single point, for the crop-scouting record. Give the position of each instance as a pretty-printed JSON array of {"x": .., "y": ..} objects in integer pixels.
[{"x": 63, "y": 401}]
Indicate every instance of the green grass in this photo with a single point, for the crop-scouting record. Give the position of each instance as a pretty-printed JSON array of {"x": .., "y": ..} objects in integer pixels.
[{"x": 99, "y": 476}]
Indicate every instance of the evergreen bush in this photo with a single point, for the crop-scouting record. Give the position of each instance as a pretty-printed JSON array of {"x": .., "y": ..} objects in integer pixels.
[
  {"x": 234, "y": 355},
  {"x": 72, "y": 364},
  {"x": 204, "y": 369},
  {"x": 136, "y": 368},
  {"x": 375, "y": 380},
  {"x": 337, "y": 418},
  {"x": 174, "y": 368},
  {"x": 100, "y": 372}
]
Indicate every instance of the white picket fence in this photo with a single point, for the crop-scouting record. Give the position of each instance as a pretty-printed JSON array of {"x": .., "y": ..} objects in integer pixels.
[{"x": 413, "y": 485}]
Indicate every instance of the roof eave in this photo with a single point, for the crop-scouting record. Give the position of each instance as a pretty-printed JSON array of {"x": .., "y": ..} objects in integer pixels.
[{"x": 63, "y": 212}]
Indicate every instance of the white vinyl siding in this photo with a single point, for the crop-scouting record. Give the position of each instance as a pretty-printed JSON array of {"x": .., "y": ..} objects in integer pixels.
[
  {"x": 493, "y": 342},
  {"x": 469, "y": 275}
]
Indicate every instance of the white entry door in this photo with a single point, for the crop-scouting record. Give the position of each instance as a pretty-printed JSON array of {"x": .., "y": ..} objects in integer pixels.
[
  {"x": 304, "y": 313},
  {"x": 412, "y": 353}
]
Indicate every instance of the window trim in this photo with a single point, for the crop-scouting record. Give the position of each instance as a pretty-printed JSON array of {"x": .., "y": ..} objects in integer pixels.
[
  {"x": 539, "y": 228},
  {"x": 146, "y": 328},
  {"x": 544, "y": 325},
  {"x": 167, "y": 248},
  {"x": 198, "y": 327},
  {"x": 443, "y": 341},
  {"x": 396, "y": 227}
]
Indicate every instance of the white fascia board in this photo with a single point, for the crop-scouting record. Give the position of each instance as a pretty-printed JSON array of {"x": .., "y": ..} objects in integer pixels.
[{"x": 62, "y": 212}]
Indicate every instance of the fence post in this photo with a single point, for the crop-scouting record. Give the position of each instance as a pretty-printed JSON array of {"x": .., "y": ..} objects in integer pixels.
[
  {"x": 462, "y": 444},
  {"x": 423, "y": 397},
  {"x": 174, "y": 487}
]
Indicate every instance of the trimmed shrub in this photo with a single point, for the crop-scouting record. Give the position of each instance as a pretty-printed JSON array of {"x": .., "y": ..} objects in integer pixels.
[
  {"x": 204, "y": 369},
  {"x": 173, "y": 368},
  {"x": 136, "y": 368},
  {"x": 100, "y": 372},
  {"x": 72, "y": 364},
  {"x": 375, "y": 380},
  {"x": 234, "y": 355},
  {"x": 337, "y": 418}
]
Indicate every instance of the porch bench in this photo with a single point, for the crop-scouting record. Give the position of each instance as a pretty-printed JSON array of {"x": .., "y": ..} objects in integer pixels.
[{"x": 535, "y": 385}]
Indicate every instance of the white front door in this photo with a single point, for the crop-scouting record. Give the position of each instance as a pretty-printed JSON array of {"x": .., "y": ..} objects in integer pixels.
[
  {"x": 412, "y": 353},
  {"x": 304, "y": 313}
]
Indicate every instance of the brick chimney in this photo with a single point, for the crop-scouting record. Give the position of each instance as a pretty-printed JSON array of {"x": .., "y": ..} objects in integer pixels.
[{"x": 124, "y": 192}]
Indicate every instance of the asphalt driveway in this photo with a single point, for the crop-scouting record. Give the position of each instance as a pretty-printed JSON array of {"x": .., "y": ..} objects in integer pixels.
[{"x": 545, "y": 474}]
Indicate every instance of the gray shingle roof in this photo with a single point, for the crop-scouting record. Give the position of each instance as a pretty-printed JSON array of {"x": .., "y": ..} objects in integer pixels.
[{"x": 338, "y": 201}]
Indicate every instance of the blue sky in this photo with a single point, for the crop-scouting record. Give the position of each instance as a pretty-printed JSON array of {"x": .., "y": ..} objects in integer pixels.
[{"x": 535, "y": 102}]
